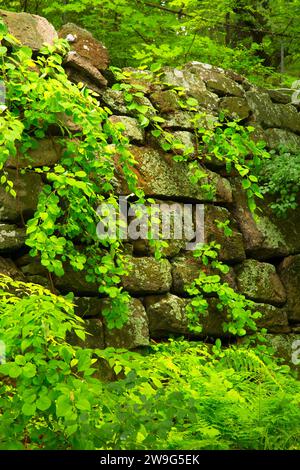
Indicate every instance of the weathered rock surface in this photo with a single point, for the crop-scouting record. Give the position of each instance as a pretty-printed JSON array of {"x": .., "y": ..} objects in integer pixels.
[
  {"x": 282, "y": 137},
  {"x": 79, "y": 63},
  {"x": 232, "y": 248},
  {"x": 115, "y": 100},
  {"x": 269, "y": 236},
  {"x": 78, "y": 76},
  {"x": 8, "y": 268},
  {"x": 159, "y": 175},
  {"x": 166, "y": 101},
  {"x": 47, "y": 153},
  {"x": 94, "y": 338},
  {"x": 289, "y": 272},
  {"x": 260, "y": 282},
  {"x": 87, "y": 307},
  {"x": 147, "y": 276},
  {"x": 74, "y": 281},
  {"x": 31, "y": 30},
  {"x": 27, "y": 187},
  {"x": 83, "y": 42},
  {"x": 237, "y": 107},
  {"x": 287, "y": 347},
  {"x": 132, "y": 130},
  {"x": 274, "y": 319},
  {"x": 283, "y": 116},
  {"x": 167, "y": 314},
  {"x": 134, "y": 334},
  {"x": 186, "y": 268},
  {"x": 215, "y": 79}
]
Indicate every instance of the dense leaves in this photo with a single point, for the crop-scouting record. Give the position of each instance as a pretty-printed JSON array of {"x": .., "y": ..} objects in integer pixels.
[
  {"x": 250, "y": 36},
  {"x": 179, "y": 395}
]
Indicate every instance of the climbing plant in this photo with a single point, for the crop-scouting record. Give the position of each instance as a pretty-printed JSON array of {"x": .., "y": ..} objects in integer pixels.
[{"x": 63, "y": 229}]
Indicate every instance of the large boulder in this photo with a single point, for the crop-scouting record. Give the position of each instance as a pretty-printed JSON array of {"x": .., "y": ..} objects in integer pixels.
[
  {"x": 47, "y": 153},
  {"x": 79, "y": 76},
  {"x": 193, "y": 86},
  {"x": 8, "y": 268},
  {"x": 186, "y": 268},
  {"x": 268, "y": 114},
  {"x": 88, "y": 307},
  {"x": 159, "y": 175},
  {"x": 94, "y": 338},
  {"x": 236, "y": 107},
  {"x": 232, "y": 248},
  {"x": 27, "y": 187},
  {"x": 274, "y": 319},
  {"x": 215, "y": 78},
  {"x": 132, "y": 129},
  {"x": 85, "y": 45},
  {"x": 31, "y": 30},
  {"x": 147, "y": 276},
  {"x": 167, "y": 314},
  {"x": 173, "y": 224},
  {"x": 259, "y": 282},
  {"x": 282, "y": 137},
  {"x": 74, "y": 281},
  {"x": 75, "y": 61},
  {"x": 289, "y": 271},
  {"x": 267, "y": 236},
  {"x": 115, "y": 100},
  {"x": 135, "y": 332}
]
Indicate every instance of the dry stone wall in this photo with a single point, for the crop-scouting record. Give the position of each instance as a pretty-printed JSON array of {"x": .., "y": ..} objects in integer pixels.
[{"x": 263, "y": 254}]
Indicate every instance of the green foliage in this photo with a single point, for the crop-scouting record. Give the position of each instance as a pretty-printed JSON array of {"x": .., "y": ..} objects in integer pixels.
[
  {"x": 240, "y": 312},
  {"x": 279, "y": 177},
  {"x": 244, "y": 36},
  {"x": 46, "y": 389},
  {"x": 63, "y": 229},
  {"x": 231, "y": 144},
  {"x": 51, "y": 398},
  {"x": 218, "y": 140}
]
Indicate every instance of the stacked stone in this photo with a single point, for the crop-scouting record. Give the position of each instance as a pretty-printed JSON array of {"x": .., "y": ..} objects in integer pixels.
[{"x": 263, "y": 254}]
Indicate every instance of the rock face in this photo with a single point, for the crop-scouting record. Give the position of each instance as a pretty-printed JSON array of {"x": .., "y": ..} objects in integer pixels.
[
  {"x": 31, "y": 30},
  {"x": 262, "y": 253},
  {"x": 47, "y": 153},
  {"x": 27, "y": 187},
  {"x": 86, "y": 46},
  {"x": 273, "y": 115},
  {"x": 134, "y": 334},
  {"x": 132, "y": 129},
  {"x": 8, "y": 268},
  {"x": 147, "y": 276},
  {"x": 75, "y": 61},
  {"x": 232, "y": 248},
  {"x": 260, "y": 282},
  {"x": 269, "y": 236},
  {"x": 289, "y": 271},
  {"x": 159, "y": 175},
  {"x": 237, "y": 107}
]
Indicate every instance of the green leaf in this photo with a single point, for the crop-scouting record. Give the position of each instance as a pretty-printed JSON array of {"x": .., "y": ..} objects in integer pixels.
[
  {"x": 29, "y": 409},
  {"x": 43, "y": 403},
  {"x": 29, "y": 370}
]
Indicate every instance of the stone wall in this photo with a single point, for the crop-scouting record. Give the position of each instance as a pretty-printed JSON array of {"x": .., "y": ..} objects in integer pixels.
[{"x": 263, "y": 255}]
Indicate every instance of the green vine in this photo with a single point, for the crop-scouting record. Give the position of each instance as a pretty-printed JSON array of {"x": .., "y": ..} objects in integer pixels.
[{"x": 63, "y": 229}]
